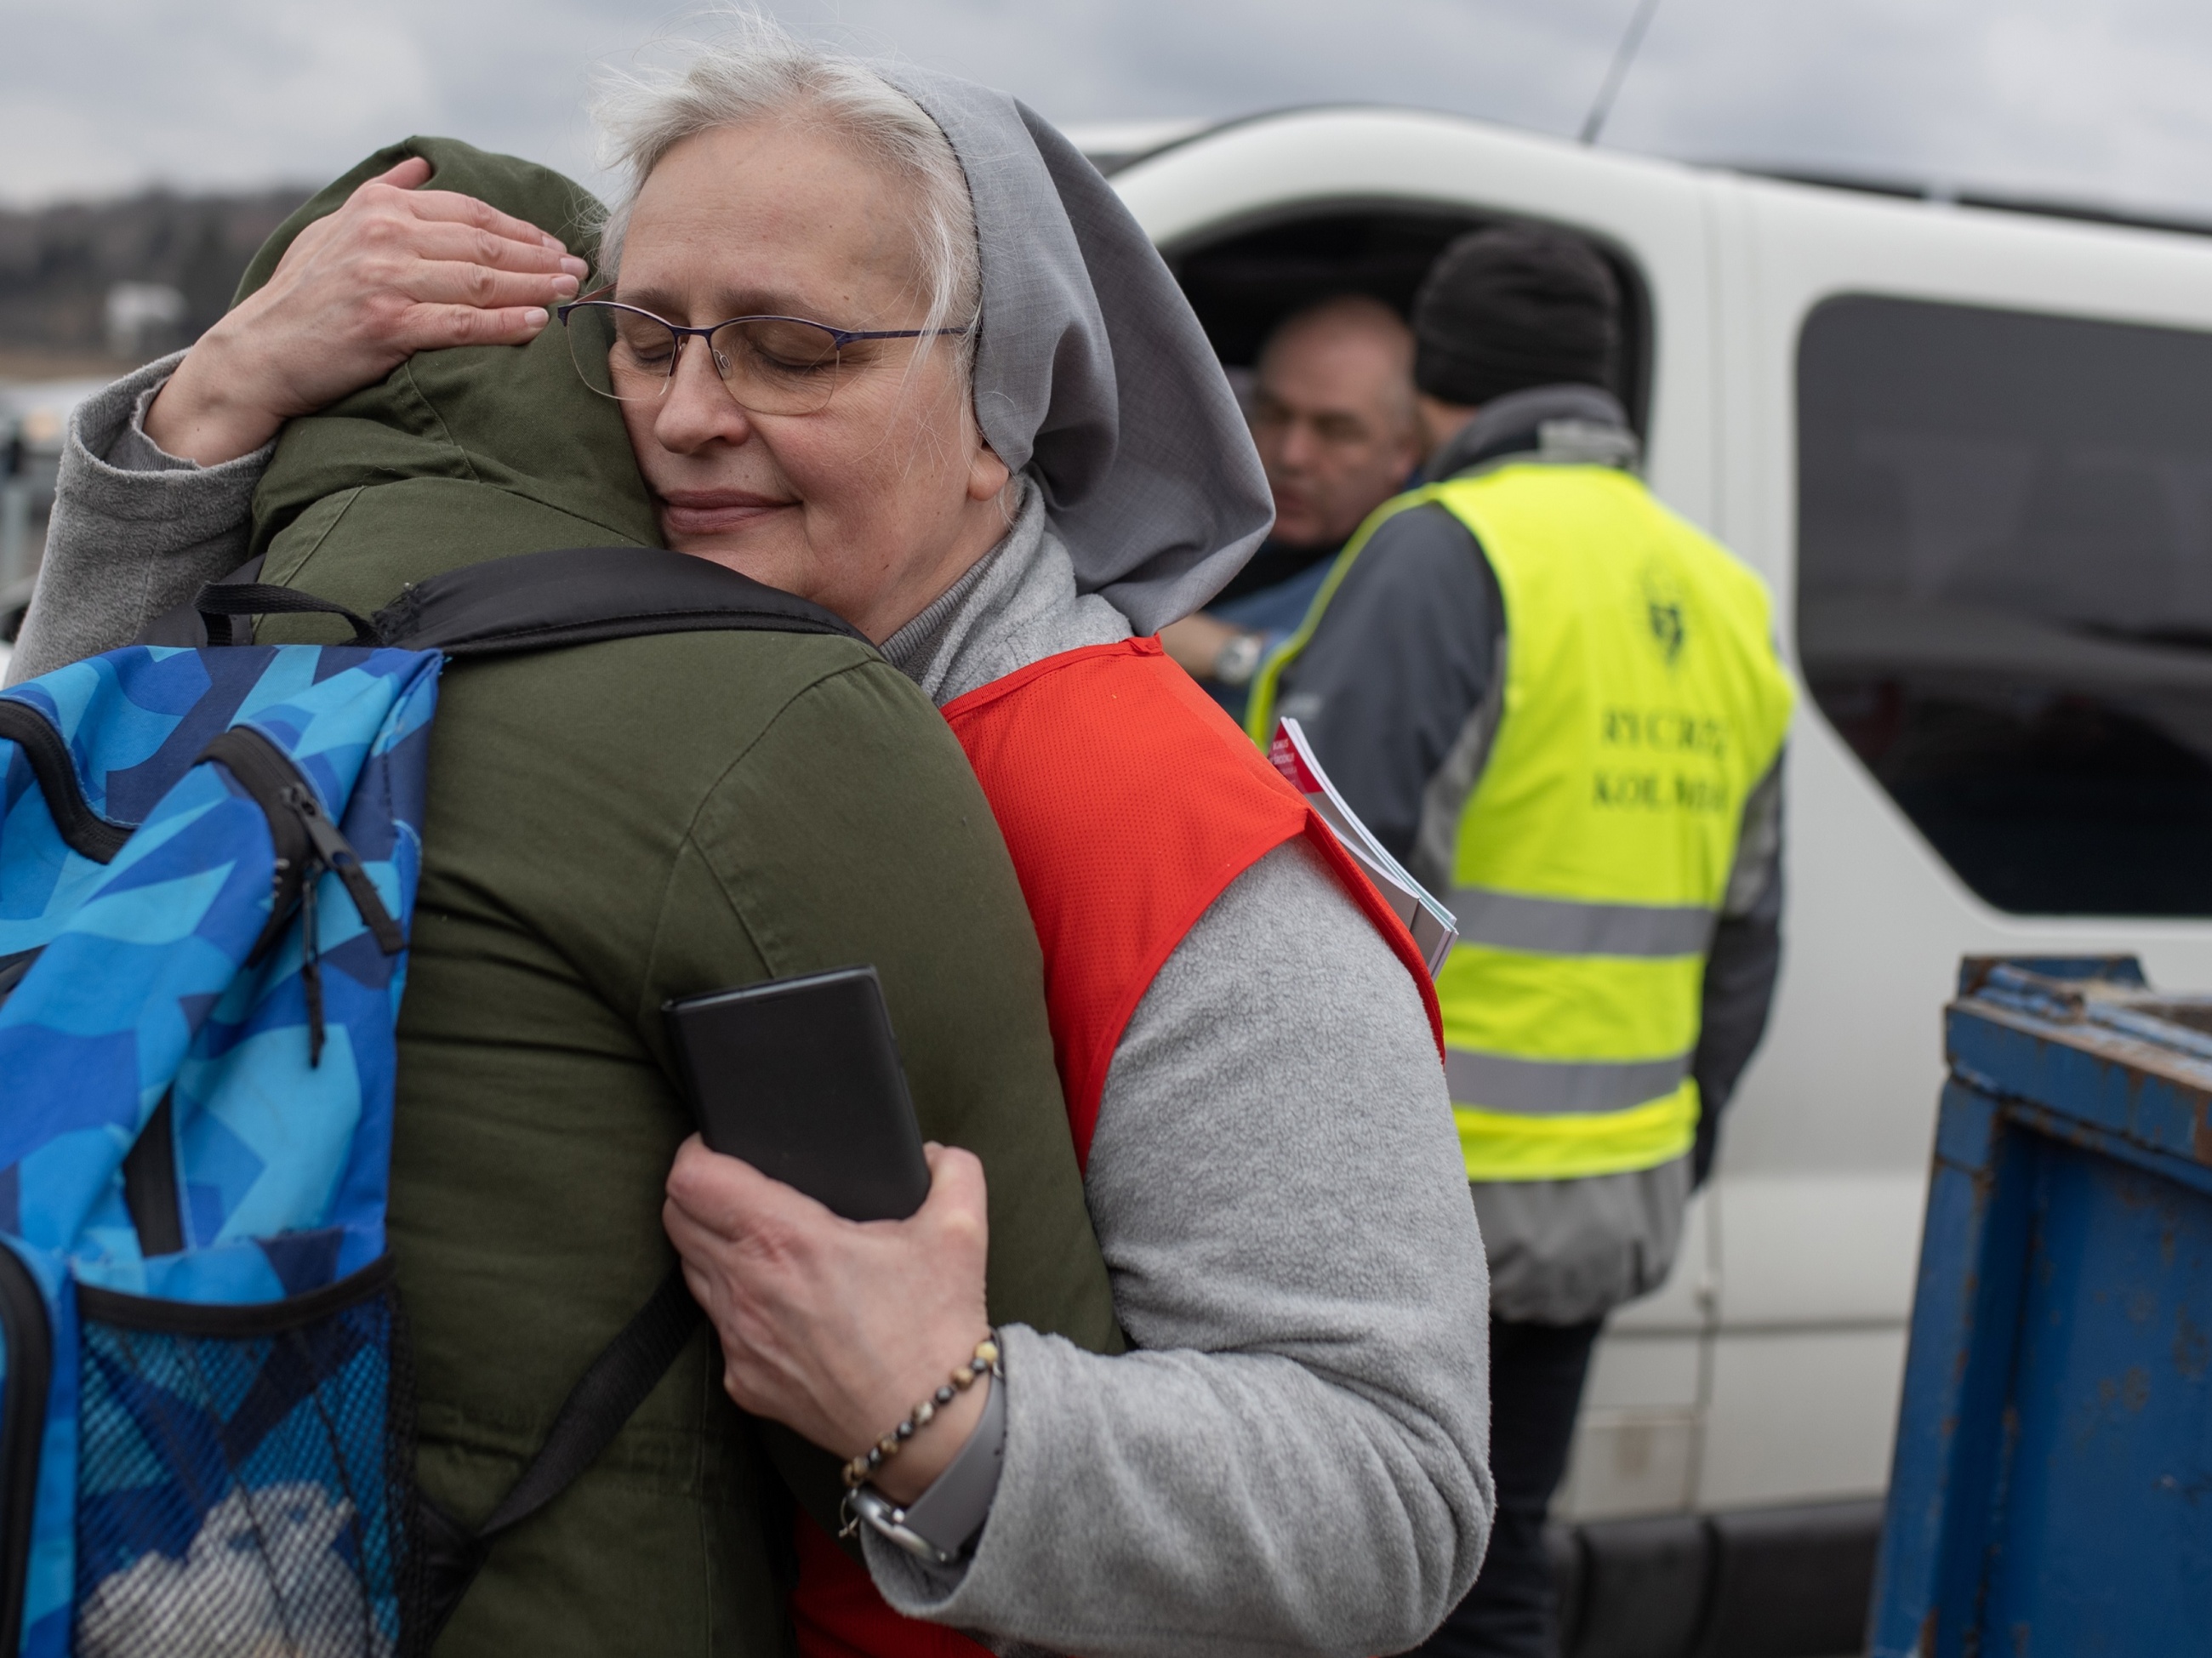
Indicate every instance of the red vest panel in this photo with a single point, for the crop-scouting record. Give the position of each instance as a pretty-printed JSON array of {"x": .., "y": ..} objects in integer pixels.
[{"x": 1128, "y": 801}]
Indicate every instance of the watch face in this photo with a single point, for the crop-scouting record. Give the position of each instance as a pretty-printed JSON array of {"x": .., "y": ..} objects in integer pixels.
[{"x": 1239, "y": 659}]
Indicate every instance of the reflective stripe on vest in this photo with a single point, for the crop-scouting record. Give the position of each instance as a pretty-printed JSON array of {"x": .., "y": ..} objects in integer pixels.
[
  {"x": 1513, "y": 920},
  {"x": 1642, "y": 702}
]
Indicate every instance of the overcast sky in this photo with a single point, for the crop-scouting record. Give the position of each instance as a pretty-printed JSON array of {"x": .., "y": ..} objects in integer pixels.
[{"x": 2096, "y": 99}]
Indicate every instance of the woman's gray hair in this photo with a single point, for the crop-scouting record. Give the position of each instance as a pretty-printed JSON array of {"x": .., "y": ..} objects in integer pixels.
[{"x": 753, "y": 70}]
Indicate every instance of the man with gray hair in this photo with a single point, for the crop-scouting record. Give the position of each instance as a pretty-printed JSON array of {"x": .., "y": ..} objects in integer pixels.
[{"x": 1333, "y": 418}]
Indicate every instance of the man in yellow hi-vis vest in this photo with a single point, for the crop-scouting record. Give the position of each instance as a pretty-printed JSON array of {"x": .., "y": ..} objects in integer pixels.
[{"x": 1560, "y": 704}]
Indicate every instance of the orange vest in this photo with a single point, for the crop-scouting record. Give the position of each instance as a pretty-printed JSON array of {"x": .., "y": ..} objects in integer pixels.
[{"x": 1129, "y": 801}]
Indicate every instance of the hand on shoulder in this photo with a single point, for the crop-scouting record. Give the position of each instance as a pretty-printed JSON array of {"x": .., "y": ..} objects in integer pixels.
[{"x": 395, "y": 270}]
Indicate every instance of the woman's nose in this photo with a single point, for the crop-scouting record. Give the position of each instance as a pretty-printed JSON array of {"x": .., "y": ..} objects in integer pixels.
[{"x": 695, "y": 407}]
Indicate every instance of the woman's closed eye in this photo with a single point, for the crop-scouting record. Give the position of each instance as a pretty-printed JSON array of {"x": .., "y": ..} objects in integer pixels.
[
  {"x": 652, "y": 357},
  {"x": 646, "y": 345},
  {"x": 772, "y": 345}
]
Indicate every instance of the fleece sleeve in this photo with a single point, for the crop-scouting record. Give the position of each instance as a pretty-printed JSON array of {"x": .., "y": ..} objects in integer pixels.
[{"x": 134, "y": 531}]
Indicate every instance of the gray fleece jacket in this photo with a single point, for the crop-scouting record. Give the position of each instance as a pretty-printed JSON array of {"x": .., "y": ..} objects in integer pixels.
[{"x": 1296, "y": 1459}]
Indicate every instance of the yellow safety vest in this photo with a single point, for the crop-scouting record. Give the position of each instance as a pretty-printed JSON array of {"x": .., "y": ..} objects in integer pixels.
[{"x": 1642, "y": 702}]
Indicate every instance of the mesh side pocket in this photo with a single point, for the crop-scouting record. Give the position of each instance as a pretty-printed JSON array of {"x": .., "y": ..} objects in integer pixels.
[{"x": 246, "y": 1486}]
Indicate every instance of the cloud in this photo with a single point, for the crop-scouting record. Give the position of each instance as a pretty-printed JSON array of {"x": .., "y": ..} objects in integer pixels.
[
  {"x": 95, "y": 100},
  {"x": 1107, "y": 59},
  {"x": 2034, "y": 95},
  {"x": 2100, "y": 102}
]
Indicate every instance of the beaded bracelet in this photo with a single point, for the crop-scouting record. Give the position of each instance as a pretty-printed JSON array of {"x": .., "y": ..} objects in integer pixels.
[{"x": 985, "y": 1362}]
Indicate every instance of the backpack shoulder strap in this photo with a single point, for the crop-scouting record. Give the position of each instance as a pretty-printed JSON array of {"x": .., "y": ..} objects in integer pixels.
[
  {"x": 605, "y": 1397},
  {"x": 529, "y": 602},
  {"x": 577, "y": 595}
]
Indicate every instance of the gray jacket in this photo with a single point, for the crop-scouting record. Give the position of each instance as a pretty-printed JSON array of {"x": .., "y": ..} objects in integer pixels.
[
  {"x": 1400, "y": 689},
  {"x": 1296, "y": 1459}
]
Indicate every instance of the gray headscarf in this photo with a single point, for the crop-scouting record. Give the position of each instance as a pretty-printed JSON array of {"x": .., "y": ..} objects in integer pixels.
[{"x": 1091, "y": 370}]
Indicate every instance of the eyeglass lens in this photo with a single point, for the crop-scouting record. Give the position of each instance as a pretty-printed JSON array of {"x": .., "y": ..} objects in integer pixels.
[{"x": 770, "y": 365}]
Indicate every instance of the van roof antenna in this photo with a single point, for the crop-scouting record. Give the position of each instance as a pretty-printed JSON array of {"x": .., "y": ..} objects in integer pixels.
[{"x": 1623, "y": 55}]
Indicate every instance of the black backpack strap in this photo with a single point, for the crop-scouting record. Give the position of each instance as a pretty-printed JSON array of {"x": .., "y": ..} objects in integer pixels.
[
  {"x": 577, "y": 595},
  {"x": 529, "y": 602},
  {"x": 605, "y": 1398},
  {"x": 185, "y": 626},
  {"x": 212, "y": 615},
  {"x": 219, "y": 601}
]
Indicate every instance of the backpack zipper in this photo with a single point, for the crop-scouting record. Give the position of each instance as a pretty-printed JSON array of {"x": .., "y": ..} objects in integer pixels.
[
  {"x": 307, "y": 844},
  {"x": 30, "y": 1360}
]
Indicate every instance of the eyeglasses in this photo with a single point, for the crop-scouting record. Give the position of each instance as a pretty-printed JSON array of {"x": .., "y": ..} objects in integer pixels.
[{"x": 769, "y": 365}]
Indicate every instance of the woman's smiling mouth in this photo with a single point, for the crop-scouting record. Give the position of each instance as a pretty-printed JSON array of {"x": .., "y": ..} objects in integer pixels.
[{"x": 715, "y": 511}]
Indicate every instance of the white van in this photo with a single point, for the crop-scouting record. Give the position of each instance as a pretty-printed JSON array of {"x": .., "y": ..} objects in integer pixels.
[{"x": 1970, "y": 452}]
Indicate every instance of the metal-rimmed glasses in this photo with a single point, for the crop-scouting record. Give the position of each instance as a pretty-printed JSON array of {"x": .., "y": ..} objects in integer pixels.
[{"x": 769, "y": 365}]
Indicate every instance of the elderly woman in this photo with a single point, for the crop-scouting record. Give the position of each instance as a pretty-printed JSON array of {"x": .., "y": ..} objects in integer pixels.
[{"x": 948, "y": 390}]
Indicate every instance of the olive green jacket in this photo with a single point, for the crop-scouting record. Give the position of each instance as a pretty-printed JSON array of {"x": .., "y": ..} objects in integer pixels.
[{"x": 609, "y": 827}]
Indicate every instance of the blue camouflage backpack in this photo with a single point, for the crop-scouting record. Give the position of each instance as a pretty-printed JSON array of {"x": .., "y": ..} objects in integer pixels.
[
  {"x": 208, "y": 865},
  {"x": 207, "y": 862}
]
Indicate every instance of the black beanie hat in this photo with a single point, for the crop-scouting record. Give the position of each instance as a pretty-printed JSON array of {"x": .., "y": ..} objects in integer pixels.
[{"x": 1505, "y": 309}]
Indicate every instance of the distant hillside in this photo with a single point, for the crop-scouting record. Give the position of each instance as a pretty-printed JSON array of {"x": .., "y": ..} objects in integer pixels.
[{"x": 59, "y": 264}]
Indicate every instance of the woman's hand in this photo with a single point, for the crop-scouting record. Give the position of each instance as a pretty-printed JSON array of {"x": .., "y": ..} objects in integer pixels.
[
  {"x": 394, "y": 271},
  {"x": 835, "y": 1327}
]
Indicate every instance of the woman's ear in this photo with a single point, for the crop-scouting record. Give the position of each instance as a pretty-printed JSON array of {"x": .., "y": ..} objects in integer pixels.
[{"x": 987, "y": 474}]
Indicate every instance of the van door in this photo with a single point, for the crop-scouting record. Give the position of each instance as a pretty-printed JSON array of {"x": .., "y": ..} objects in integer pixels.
[{"x": 1972, "y": 451}]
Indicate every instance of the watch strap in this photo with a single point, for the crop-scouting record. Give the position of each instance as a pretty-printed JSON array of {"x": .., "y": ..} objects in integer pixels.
[{"x": 945, "y": 1518}]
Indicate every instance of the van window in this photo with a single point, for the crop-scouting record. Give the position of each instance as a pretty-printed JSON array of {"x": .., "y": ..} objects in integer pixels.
[
  {"x": 1244, "y": 277},
  {"x": 2004, "y": 530}
]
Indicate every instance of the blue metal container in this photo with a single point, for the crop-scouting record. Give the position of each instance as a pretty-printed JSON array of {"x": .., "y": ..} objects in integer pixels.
[{"x": 2051, "y": 1496}]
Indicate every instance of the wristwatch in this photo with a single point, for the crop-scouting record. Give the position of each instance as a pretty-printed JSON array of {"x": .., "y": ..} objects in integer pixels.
[
  {"x": 941, "y": 1524},
  {"x": 1239, "y": 659}
]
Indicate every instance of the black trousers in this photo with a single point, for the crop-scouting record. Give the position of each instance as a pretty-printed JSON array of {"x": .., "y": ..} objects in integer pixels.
[{"x": 1536, "y": 1374}]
